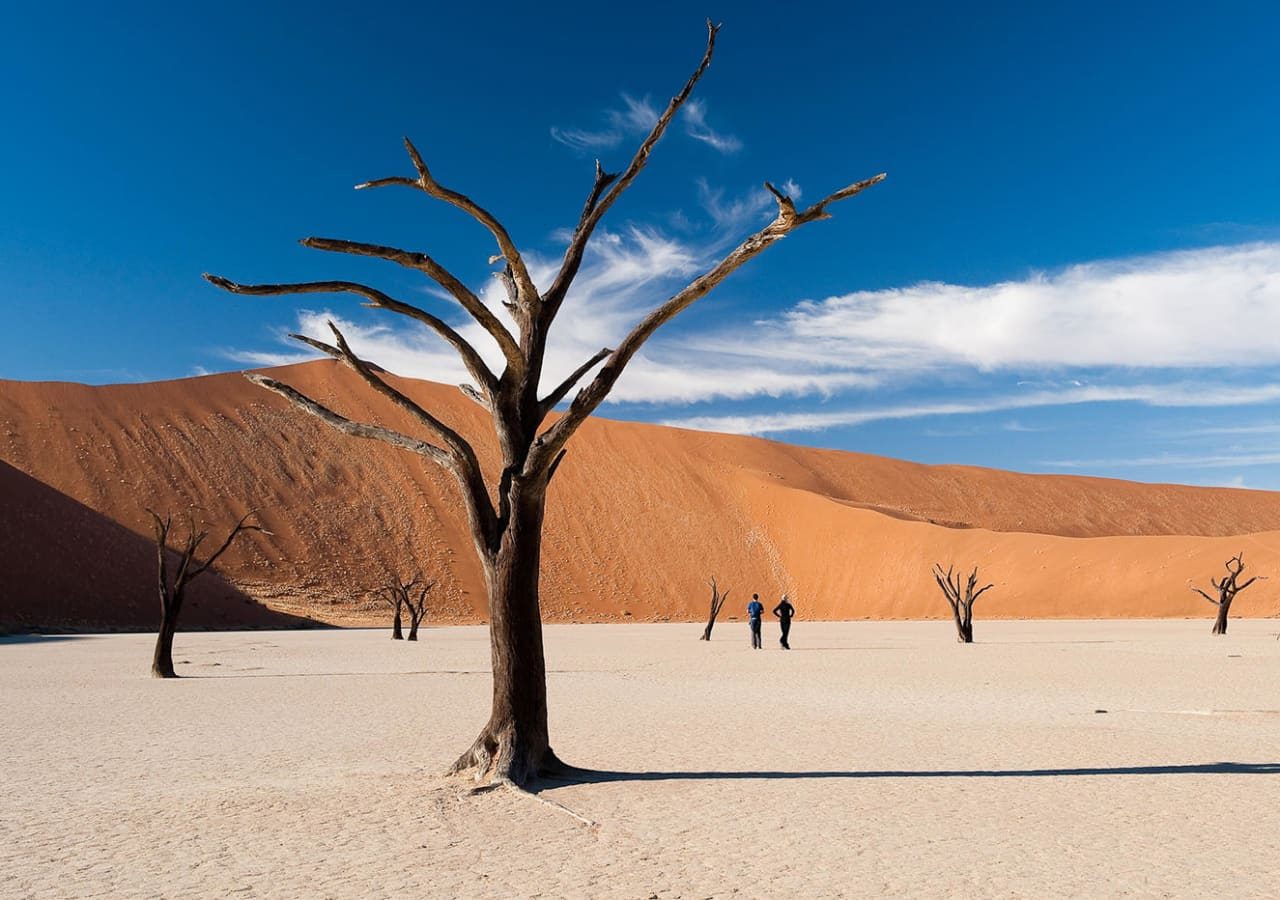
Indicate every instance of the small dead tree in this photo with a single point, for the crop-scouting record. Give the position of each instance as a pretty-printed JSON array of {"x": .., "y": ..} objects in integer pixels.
[
  {"x": 960, "y": 599},
  {"x": 173, "y": 591},
  {"x": 717, "y": 601},
  {"x": 393, "y": 596},
  {"x": 407, "y": 596},
  {"x": 505, "y": 508},
  {"x": 416, "y": 603},
  {"x": 1227, "y": 589}
]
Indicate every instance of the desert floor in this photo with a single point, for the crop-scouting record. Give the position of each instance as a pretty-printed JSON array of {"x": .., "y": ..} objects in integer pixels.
[{"x": 1052, "y": 758}]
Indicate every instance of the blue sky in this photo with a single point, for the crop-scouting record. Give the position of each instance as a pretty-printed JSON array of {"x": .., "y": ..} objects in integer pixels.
[{"x": 1074, "y": 265}]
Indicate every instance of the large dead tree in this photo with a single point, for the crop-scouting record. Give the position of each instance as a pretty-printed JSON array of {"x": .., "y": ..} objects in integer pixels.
[
  {"x": 173, "y": 590},
  {"x": 960, "y": 599},
  {"x": 1227, "y": 589},
  {"x": 717, "y": 602},
  {"x": 506, "y": 511}
]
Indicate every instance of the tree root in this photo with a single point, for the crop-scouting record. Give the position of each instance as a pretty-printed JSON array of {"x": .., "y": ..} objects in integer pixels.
[
  {"x": 522, "y": 792},
  {"x": 497, "y": 759}
]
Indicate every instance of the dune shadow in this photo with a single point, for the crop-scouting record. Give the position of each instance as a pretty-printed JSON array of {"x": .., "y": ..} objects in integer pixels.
[
  {"x": 593, "y": 776},
  {"x": 64, "y": 566}
]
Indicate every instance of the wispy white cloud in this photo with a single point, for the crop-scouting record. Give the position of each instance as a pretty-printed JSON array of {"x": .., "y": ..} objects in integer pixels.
[
  {"x": 637, "y": 117},
  {"x": 1081, "y": 335},
  {"x": 1214, "y": 307},
  {"x": 738, "y": 214},
  {"x": 695, "y": 125},
  {"x": 1266, "y": 428},
  {"x": 1185, "y": 461},
  {"x": 1181, "y": 395},
  {"x": 626, "y": 273},
  {"x": 1016, "y": 427}
]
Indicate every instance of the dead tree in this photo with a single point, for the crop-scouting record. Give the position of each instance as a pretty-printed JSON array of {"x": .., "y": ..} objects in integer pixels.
[
  {"x": 960, "y": 599},
  {"x": 1227, "y": 589},
  {"x": 406, "y": 596},
  {"x": 505, "y": 510},
  {"x": 393, "y": 596},
  {"x": 416, "y": 602},
  {"x": 717, "y": 601},
  {"x": 173, "y": 591}
]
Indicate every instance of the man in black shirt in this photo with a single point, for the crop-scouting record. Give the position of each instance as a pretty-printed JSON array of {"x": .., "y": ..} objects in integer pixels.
[{"x": 784, "y": 611}]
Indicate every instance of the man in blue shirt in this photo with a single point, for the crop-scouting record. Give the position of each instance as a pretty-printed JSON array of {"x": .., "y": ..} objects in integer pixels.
[{"x": 755, "y": 609}]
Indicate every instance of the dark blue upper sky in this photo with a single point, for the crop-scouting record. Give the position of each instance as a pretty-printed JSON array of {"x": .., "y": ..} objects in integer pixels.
[{"x": 1048, "y": 164}]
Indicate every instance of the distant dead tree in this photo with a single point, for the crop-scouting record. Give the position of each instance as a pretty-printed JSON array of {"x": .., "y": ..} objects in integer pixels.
[
  {"x": 410, "y": 596},
  {"x": 1227, "y": 589},
  {"x": 717, "y": 601},
  {"x": 505, "y": 510},
  {"x": 173, "y": 591},
  {"x": 392, "y": 595},
  {"x": 960, "y": 599}
]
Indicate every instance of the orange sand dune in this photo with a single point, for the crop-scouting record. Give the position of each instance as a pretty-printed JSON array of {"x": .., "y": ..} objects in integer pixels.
[{"x": 639, "y": 515}]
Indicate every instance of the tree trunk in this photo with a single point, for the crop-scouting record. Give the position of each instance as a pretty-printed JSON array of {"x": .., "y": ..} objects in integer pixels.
[
  {"x": 960, "y": 635},
  {"x": 1220, "y": 623},
  {"x": 162, "y": 660},
  {"x": 413, "y": 627},
  {"x": 397, "y": 633},
  {"x": 966, "y": 634},
  {"x": 514, "y": 745},
  {"x": 706, "y": 632}
]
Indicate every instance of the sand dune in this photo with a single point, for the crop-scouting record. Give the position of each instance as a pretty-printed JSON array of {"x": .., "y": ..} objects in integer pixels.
[{"x": 639, "y": 515}]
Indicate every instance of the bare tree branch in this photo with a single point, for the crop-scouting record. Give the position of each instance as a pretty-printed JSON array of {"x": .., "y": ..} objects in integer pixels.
[
  {"x": 470, "y": 478},
  {"x": 426, "y": 182},
  {"x": 470, "y": 358},
  {"x": 422, "y": 263},
  {"x": 355, "y": 429},
  {"x": 194, "y": 540},
  {"x": 326, "y": 349},
  {"x": 1205, "y": 596},
  {"x": 597, "y": 206},
  {"x": 231, "y": 536},
  {"x": 549, "y": 402},
  {"x": 590, "y": 397},
  {"x": 555, "y": 464},
  {"x": 470, "y": 392},
  {"x": 455, "y": 442}
]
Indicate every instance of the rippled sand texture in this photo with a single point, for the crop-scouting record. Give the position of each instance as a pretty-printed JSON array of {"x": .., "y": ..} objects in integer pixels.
[{"x": 874, "y": 758}]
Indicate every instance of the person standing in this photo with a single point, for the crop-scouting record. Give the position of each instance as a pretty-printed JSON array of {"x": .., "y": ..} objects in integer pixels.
[
  {"x": 755, "y": 609},
  {"x": 784, "y": 611}
]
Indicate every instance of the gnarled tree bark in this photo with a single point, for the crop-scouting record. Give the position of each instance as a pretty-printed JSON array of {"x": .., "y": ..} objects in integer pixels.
[
  {"x": 1227, "y": 589},
  {"x": 960, "y": 599},
  {"x": 506, "y": 514},
  {"x": 173, "y": 591}
]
